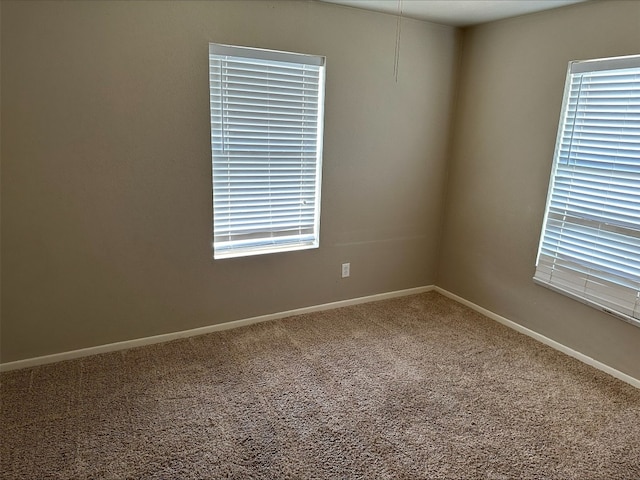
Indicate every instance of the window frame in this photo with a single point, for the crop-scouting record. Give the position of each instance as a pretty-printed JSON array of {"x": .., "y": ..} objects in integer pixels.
[
  {"x": 597, "y": 282},
  {"x": 268, "y": 225}
]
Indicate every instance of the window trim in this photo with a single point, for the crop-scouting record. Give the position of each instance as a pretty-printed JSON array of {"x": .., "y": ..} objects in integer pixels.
[
  {"x": 273, "y": 240},
  {"x": 596, "y": 300}
]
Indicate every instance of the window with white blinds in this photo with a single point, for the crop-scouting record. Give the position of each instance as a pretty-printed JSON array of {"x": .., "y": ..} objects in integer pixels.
[
  {"x": 590, "y": 242},
  {"x": 266, "y": 142}
]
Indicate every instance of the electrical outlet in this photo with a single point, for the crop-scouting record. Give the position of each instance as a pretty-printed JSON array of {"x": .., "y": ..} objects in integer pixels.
[{"x": 346, "y": 270}]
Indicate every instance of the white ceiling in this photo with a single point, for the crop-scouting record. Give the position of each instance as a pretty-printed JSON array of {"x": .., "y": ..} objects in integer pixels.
[{"x": 458, "y": 13}]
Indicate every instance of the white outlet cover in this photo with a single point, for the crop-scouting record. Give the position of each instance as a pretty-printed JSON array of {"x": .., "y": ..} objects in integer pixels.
[{"x": 346, "y": 270}]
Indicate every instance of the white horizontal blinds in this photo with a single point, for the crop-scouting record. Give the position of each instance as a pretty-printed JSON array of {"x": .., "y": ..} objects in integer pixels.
[
  {"x": 266, "y": 134},
  {"x": 590, "y": 247}
]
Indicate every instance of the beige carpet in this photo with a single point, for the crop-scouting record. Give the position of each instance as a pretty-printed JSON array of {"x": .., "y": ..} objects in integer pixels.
[{"x": 415, "y": 387}]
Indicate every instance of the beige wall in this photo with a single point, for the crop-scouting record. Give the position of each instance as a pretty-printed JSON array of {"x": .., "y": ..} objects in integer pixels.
[
  {"x": 512, "y": 81},
  {"x": 106, "y": 188}
]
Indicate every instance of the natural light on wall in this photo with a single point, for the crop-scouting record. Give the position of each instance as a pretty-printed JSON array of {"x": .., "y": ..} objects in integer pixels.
[
  {"x": 266, "y": 142},
  {"x": 590, "y": 242}
]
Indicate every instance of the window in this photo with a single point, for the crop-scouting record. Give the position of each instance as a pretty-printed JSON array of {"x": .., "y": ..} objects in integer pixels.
[
  {"x": 590, "y": 245},
  {"x": 266, "y": 142}
]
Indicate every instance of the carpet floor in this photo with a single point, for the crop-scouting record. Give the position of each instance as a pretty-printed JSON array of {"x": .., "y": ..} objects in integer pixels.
[{"x": 416, "y": 387}]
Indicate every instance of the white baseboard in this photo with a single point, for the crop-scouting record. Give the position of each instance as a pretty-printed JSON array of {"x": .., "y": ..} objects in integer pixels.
[
  {"x": 138, "y": 342},
  {"x": 541, "y": 338}
]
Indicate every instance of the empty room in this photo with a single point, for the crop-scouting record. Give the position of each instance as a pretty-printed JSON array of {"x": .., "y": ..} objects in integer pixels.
[{"x": 320, "y": 239}]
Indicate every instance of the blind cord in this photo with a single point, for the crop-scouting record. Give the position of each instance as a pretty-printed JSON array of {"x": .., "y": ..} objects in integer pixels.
[{"x": 396, "y": 57}]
